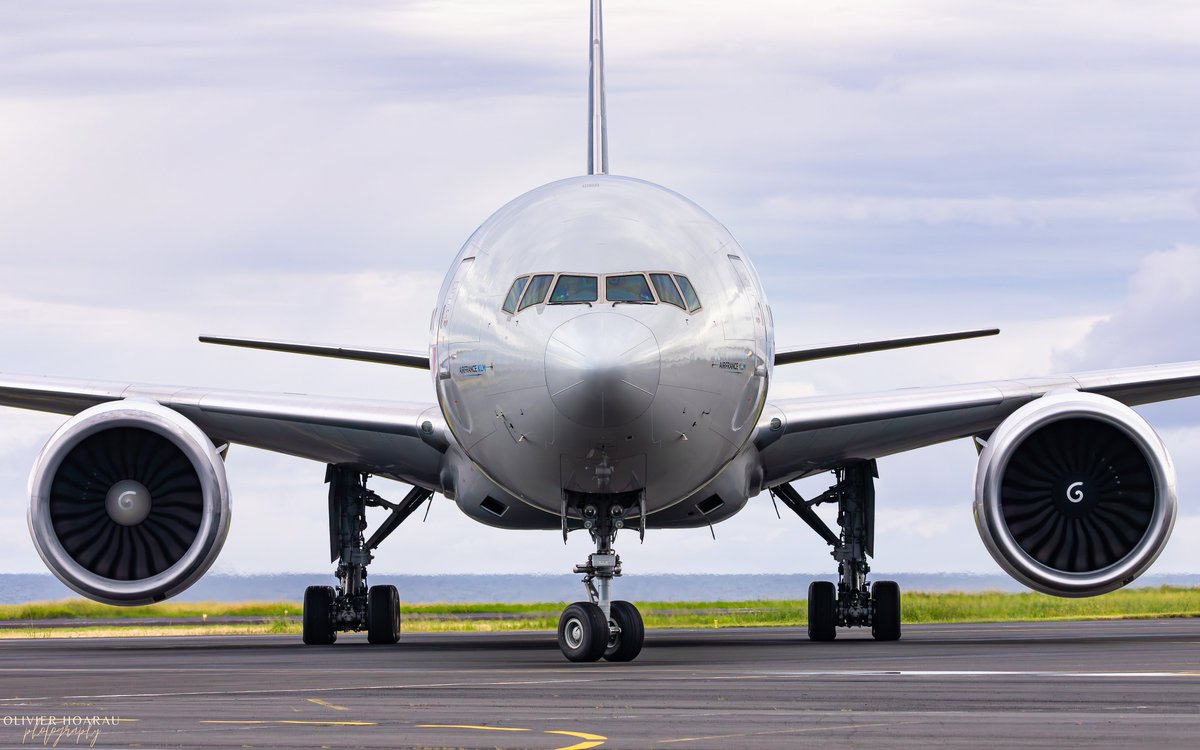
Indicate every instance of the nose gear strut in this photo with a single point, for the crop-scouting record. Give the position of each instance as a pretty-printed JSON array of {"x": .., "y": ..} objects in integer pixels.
[{"x": 601, "y": 627}]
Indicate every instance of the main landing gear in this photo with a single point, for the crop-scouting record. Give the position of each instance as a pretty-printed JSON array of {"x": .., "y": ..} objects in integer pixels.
[
  {"x": 851, "y": 604},
  {"x": 601, "y": 627},
  {"x": 352, "y": 606}
]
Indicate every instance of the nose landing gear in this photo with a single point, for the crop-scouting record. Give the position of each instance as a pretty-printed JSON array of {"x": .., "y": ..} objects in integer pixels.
[{"x": 601, "y": 627}]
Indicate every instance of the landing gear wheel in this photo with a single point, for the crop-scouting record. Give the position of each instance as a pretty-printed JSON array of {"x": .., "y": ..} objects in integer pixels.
[
  {"x": 885, "y": 625},
  {"x": 583, "y": 632},
  {"x": 383, "y": 615},
  {"x": 318, "y": 616},
  {"x": 822, "y": 611},
  {"x": 626, "y": 644}
]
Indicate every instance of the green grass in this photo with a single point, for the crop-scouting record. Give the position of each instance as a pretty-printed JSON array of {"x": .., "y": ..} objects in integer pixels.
[
  {"x": 1164, "y": 601},
  {"x": 77, "y": 609},
  {"x": 86, "y": 609},
  {"x": 918, "y": 607}
]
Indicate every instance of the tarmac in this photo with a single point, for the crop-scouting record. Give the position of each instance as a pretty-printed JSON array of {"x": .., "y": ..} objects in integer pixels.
[{"x": 1061, "y": 684}]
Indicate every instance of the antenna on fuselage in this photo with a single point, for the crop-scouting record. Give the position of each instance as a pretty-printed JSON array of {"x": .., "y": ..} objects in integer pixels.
[{"x": 597, "y": 117}]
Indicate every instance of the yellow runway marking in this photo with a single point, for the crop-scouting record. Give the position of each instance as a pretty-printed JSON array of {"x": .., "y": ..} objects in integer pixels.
[
  {"x": 580, "y": 735},
  {"x": 327, "y": 704},
  {"x": 590, "y": 740},
  {"x": 293, "y": 721},
  {"x": 593, "y": 740},
  {"x": 471, "y": 726}
]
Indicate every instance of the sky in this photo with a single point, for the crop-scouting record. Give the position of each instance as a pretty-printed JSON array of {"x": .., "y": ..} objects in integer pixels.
[{"x": 308, "y": 170}]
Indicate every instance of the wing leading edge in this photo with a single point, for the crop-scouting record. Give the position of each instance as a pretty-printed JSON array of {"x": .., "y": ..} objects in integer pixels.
[
  {"x": 398, "y": 440},
  {"x": 827, "y": 351},
  {"x": 397, "y": 357},
  {"x": 802, "y": 436}
]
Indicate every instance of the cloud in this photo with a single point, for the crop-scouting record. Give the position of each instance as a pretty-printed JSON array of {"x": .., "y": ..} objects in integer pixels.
[
  {"x": 302, "y": 170},
  {"x": 987, "y": 210},
  {"x": 1155, "y": 321}
]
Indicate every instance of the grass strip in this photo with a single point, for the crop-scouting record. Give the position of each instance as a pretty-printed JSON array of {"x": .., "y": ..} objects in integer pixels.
[{"x": 918, "y": 607}]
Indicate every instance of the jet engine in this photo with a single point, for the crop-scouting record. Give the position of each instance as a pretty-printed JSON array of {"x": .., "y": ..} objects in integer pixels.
[
  {"x": 129, "y": 503},
  {"x": 1074, "y": 494}
]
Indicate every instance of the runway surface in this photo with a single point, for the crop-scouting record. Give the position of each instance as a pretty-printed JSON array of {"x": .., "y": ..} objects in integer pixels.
[{"x": 1106, "y": 684}]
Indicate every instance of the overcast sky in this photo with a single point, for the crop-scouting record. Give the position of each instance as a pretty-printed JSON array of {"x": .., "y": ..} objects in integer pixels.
[{"x": 307, "y": 170}]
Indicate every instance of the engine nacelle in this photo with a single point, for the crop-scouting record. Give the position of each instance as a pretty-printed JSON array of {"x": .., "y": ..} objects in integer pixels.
[
  {"x": 129, "y": 503},
  {"x": 1074, "y": 494}
]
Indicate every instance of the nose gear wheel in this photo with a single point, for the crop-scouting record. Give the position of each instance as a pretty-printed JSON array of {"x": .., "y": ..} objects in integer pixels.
[{"x": 583, "y": 632}]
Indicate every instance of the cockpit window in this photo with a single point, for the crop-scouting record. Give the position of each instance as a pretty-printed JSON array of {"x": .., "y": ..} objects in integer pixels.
[
  {"x": 570, "y": 288},
  {"x": 514, "y": 295},
  {"x": 671, "y": 289},
  {"x": 628, "y": 288},
  {"x": 666, "y": 289},
  {"x": 536, "y": 293},
  {"x": 689, "y": 294}
]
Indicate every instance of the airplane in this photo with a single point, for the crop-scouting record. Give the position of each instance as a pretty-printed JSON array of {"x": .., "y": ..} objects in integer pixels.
[{"x": 601, "y": 351}]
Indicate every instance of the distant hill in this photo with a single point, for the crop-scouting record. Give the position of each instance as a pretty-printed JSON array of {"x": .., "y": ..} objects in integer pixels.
[{"x": 16, "y": 588}]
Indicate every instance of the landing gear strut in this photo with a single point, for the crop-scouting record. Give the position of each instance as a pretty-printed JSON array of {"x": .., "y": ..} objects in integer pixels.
[
  {"x": 354, "y": 606},
  {"x": 602, "y": 627},
  {"x": 852, "y": 604}
]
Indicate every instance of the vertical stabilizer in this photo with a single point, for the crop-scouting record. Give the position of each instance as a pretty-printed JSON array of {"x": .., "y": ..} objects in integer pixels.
[{"x": 597, "y": 117}]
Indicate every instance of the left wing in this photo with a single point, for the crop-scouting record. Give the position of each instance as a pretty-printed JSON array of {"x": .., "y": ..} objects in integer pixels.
[
  {"x": 394, "y": 439},
  {"x": 400, "y": 357},
  {"x": 802, "y": 436}
]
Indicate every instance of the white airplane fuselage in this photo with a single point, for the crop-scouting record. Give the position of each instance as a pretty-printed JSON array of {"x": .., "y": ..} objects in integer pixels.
[{"x": 601, "y": 391}]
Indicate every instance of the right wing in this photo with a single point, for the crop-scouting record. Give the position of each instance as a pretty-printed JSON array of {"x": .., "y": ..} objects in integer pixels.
[
  {"x": 803, "y": 436},
  {"x": 826, "y": 351},
  {"x": 394, "y": 439}
]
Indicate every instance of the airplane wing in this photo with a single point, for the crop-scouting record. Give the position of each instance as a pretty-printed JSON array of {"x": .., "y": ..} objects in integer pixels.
[
  {"x": 400, "y": 357},
  {"x": 398, "y": 440},
  {"x": 803, "y": 436},
  {"x": 828, "y": 351}
]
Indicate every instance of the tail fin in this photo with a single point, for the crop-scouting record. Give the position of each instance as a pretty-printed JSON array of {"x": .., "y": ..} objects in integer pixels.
[{"x": 597, "y": 117}]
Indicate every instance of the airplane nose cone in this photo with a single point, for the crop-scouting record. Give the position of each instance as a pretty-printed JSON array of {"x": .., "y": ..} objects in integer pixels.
[{"x": 602, "y": 369}]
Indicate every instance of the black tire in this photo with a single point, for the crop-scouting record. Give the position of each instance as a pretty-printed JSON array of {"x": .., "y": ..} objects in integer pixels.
[
  {"x": 582, "y": 632},
  {"x": 822, "y": 611},
  {"x": 318, "y": 616},
  {"x": 885, "y": 621},
  {"x": 383, "y": 615},
  {"x": 627, "y": 644}
]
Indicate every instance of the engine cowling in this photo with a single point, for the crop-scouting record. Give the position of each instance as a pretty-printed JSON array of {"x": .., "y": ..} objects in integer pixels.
[
  {"x": 1074, "y": 494},
  {"x": 129, "y": 503}
]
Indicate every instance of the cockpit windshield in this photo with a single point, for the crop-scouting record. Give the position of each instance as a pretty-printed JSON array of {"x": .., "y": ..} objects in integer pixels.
[
  {"x": 628, "y": 288},
  {"x": 574, "y": 288},
  {"x": 536, "y": 293},
  {"x": 514, "y": 295},
  {"x": 570, "y": 288},
  {"x": 666, "y": 289},
  {"x": 689, "y": 294}
]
